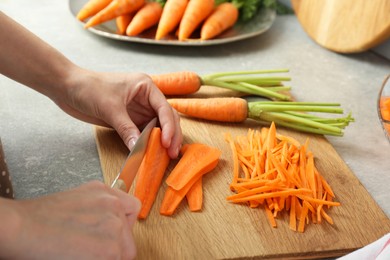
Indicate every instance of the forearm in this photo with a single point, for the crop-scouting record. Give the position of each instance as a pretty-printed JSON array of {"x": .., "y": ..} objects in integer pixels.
[{"x": 29, "y": 60}]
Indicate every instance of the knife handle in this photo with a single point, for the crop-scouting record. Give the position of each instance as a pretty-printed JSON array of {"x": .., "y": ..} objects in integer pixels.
[{"x": 120, "y": 185}]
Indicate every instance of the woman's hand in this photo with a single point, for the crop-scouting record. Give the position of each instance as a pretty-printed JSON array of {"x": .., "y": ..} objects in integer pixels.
[
  {"x": 92, "y": 221},
  {"x": 126, "y": 102}
]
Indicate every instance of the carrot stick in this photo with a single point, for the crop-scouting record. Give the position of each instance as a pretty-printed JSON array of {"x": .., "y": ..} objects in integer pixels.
[
  {"x": 91, "y": 8},
  {"x": 196, "y": 161},
  {"x": 223, "y": 17},
  {"x": 216, "y": 109},
  {"x": 196, "y": 12},
  {"x": 122, "y": 22},
  {"x": 170, "y": 18},
  {"x": 145, "y": 18},
  {"x": 113, "y": 10},
  {"x": 177, "y": 83},
  {"x": 195, "y": 196},
  {"x": 151, "y": 172}
]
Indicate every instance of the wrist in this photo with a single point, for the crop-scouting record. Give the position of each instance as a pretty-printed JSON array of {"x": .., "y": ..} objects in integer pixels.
[{"x": 10, "y": 228}]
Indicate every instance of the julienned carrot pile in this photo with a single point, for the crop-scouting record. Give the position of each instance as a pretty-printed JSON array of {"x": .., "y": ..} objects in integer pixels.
[
  {"x": 287, "y": 114},
  {"x": 257, "y": 82},
  {"x": 209, "y": 17},
  {"x": 277, "y": 173}
]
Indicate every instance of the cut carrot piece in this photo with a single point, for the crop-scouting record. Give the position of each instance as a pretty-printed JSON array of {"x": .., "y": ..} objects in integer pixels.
[
  {"x": 151, "y": 172},
  {"x": 195, "y": 196},
  {"x": 196, "y": 161}
]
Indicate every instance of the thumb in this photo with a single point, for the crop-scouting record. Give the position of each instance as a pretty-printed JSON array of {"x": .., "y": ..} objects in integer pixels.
[{"x": 128, "y": 131}]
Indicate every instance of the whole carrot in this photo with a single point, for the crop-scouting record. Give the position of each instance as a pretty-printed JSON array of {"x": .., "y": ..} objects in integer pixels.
[
  {"x": 113, "y": 10},
  {"x": 91, "y": 8},
  {"x": 171, "y": 16},
  {"x": 288, "y": 114},
  {"x": 222, "y": 18},
  {"x": 177, "y": 83},
  {"x": 146, "y": 17},
  {"x": 196, "y": 12},
  {"x": 215, "y": 109},
  {"x": 123, "y": 21}
]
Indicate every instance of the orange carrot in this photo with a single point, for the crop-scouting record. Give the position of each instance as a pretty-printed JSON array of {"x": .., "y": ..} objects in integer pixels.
[
  {"x": 170, "y": 18},
  {"x": 196, "y": 161},
  {"x": 288, "y": 182},
  {"x": 122, "y": 22},
  {"x": 195, "y": 196},
  {"x": 216, "y": 109},
  {"x": 145, "y": 18},
  {"x": 223, "y": 17},
  {"x": 196, "y": 12},
  {"x": 113, "y": 10},
  {"x": 151, "y": 172},
  {"x": 177, "y": 83},
  {"x": 91, "y": 8}
]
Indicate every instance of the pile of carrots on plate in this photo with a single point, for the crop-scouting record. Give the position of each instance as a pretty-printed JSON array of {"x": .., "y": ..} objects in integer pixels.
[
  {"x": 277, "y": 173},
  {"x": 184, "y": 181},
  {"x": 180, "y": 18}
]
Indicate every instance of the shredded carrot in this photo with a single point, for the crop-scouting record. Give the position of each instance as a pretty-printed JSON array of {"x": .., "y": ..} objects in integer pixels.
[{"x": 276, "y": 171}]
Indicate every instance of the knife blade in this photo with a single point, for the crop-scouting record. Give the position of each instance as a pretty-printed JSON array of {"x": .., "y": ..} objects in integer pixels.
[{"x": 126, "y": 176}]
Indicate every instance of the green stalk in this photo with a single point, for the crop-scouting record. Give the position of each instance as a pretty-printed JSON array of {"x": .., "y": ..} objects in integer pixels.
[
  {"x": 246, "y": 72},
  {"x": 264, "y": 106}
]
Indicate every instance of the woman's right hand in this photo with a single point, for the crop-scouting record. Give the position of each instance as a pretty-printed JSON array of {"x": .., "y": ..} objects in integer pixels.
[{"x": 92, "y": 221}]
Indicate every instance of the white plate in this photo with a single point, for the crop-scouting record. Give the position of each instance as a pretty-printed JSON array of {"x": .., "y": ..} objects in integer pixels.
[{"x": 258, "y": 25}]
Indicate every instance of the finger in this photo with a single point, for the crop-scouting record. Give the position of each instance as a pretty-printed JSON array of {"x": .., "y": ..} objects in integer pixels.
[
  {"x": 131, "y": 204},
  {"x": 177, "y": 139},
  {"x": 126, "y": 129}
]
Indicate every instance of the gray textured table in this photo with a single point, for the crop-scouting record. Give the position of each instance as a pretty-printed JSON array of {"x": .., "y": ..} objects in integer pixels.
[{"x": 48, "y": 151}]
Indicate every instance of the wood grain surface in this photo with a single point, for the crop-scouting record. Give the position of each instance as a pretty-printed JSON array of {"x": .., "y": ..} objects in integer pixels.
[
  {"x": 345, "y": 26},
  {"x": 223, "y": 230}
]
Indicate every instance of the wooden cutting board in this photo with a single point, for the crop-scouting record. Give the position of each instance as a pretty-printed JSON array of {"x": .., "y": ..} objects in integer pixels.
[
  {"x": 345, "y": 26},
  {"x": 230, "y": 231}
]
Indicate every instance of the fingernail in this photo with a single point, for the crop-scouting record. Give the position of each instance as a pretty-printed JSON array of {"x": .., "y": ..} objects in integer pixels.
[{"x": 132, "y": 143}]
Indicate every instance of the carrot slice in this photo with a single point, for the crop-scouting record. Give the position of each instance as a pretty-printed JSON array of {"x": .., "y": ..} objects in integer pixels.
[
  {"x": 195, "y": 196},
  {"x": 151, "y": 172},
  {"x": 196, "y": 161}
]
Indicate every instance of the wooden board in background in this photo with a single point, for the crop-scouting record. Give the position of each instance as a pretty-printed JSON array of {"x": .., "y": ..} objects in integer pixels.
[
  {"x": 347, "y": 26},
  {"x": 230, "y": 231}
]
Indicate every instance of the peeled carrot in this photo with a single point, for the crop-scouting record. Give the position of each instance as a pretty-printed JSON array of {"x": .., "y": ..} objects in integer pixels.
[
  {"x": 195, "y": 196},
  {"x": 91, "y": 8},
  {"x": 290, "y": 181},
  {"x": 223, "y": 17},
  {"x": 196, "y": 12},
  {"x": 197, "y": 160},
  {"x": 122, "y": 22},
  {"x": 113, "y": 10},
  {"x": 170, "y": 18},
  {"x": 145, "y": 18},
  {"x": 151, "y": 172},
  {"x": 177, "y": 83}
]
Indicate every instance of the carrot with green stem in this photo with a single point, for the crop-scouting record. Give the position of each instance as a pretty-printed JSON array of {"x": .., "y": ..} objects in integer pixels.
[
  {"x": 255, "y": 82},
  {"x": 238, "y": 110},
  {"x": 196, "y": 12},
  {"x": 146, "y": 17},
  {"x": 114, "y": 9},
  {"x": 170, "y": 18},
  {"x": 91, "y": 8}
]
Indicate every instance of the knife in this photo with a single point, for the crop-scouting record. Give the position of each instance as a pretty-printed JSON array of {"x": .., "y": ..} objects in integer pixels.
[{"x": 126, "y": 176}]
